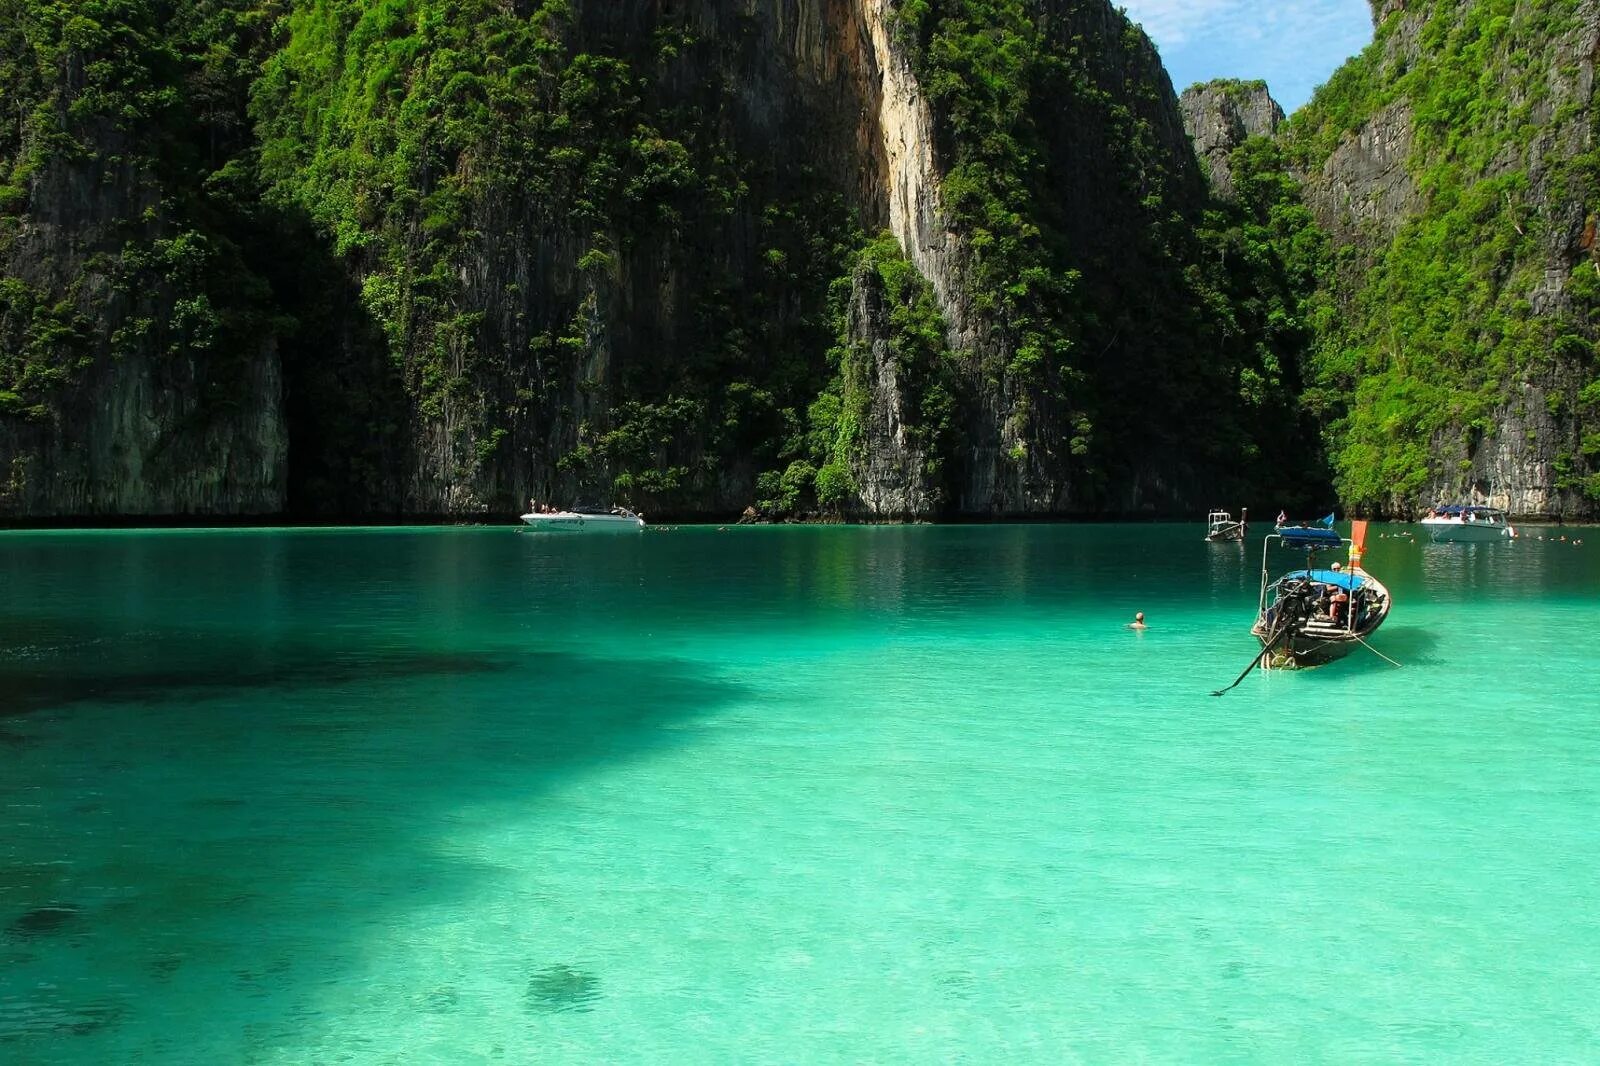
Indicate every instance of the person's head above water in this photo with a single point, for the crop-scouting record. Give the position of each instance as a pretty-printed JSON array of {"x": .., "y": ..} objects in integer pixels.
[{"x": 1337, "y": 567}]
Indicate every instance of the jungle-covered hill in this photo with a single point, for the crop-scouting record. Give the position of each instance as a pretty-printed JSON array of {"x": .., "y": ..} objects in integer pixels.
[{"x": 879, "y": 259}]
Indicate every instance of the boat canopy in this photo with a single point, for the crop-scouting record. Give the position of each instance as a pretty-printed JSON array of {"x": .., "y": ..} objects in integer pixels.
[
  {"x": 1310, "y": 537},
  {"x": 1345, "y": 579},
  {"x": 1463, "y": 509}
]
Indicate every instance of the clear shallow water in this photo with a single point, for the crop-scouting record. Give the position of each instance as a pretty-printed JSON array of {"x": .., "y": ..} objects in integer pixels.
[{"x": 777, "y": 795}]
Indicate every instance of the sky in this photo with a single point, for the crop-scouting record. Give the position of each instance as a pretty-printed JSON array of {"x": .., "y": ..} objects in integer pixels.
[{"x": 1293, "y": 44}]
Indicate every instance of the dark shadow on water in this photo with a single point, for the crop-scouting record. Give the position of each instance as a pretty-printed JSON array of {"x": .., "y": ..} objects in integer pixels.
[
  {"x": 1407, "y": 645},
  {"x": 43, "y": 921},
  {"x": 305, "y": 800},
  {"x": 219, "y": 671},
  {"x": 1413, "y": 647}
]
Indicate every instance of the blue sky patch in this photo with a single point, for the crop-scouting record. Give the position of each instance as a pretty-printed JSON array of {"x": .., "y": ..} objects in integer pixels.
[{"x": 1293, "y": 44}]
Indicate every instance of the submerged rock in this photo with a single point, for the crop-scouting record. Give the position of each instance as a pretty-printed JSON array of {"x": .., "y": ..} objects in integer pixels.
[
  {"x": 560, "y": 989},
  {"x": 43, "y": 921}
]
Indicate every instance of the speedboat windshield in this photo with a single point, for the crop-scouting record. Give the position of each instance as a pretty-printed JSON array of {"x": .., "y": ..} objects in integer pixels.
[{"x": 1465, "y": 511}]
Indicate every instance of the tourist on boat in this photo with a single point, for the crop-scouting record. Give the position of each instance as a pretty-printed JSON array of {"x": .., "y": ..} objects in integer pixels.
[
  {"x": 1138, "y": 621},
  {"x": 1337, "y": 606}
]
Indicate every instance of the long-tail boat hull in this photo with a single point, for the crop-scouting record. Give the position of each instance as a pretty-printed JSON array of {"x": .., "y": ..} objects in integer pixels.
[
  {"x": 1317, "y": 641},
  {"x": 1312, "y": 617}
]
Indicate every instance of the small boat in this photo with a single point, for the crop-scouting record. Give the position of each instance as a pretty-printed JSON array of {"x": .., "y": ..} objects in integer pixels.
[
  {"x": 1464, "y": 524},
  {"x": 1314, "y": 615},
  {"x": 586, "y": 520},
  {"x": 1220, "y": 526}
]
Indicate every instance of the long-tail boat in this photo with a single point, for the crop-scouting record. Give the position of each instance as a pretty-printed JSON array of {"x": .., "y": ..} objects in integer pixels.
[{"x": 1315, "y": 614}]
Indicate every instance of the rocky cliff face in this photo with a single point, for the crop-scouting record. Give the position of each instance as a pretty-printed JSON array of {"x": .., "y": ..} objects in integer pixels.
[
  {"x": 632, "y": 279},
  {"x": 1365, "y": 192},
  {"x": 895, "y": 463},
  {"x": 1110, "y": 325},
  {"x": 133, "y": 378},
  {"x": 421, "y": 259},
  {"x": 1220, "y": 116},
  {"x": 1454, "y": 163}
]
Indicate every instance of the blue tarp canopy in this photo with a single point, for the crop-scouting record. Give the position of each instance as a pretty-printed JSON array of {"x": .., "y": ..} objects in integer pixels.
[
  {"x": 1455, "y": 509},
  {"x": 1310, "y": 537},
  {"x": 1342, "y": 578}
]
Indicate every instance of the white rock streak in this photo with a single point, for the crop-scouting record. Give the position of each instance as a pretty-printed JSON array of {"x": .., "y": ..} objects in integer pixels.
[{"x": 916, "y": 215}]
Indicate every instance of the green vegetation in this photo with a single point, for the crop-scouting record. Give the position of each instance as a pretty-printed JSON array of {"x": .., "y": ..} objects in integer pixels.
[
  {"x": 929, "y": 381},
  {"x": 882, "y": 281},
  {"x": 976, "y": 60},
  {"x": 139, "y": 104},
  {"x": 42, "y": 344},
  {"x": 1121, "y": 318},
  {"x": 1437, "y": 327},
  {"x": 437, "y": 142},
  {"x": 1238, "y": 89},
  {"x": 1270, "y": 257},
  {"x": 502, "y": 247}
]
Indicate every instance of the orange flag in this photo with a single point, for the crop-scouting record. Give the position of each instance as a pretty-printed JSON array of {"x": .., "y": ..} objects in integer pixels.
[{"x": 1358, "y": 542}]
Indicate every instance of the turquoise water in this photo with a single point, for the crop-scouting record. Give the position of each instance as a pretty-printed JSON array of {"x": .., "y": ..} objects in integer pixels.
[{"x": 780, "y": 795}]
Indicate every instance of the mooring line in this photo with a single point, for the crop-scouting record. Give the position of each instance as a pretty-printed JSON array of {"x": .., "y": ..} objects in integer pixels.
[{"x": 1378, "y": 653}]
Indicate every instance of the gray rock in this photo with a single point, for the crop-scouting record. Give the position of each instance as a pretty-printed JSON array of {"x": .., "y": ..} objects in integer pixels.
[
  {"x": 1527, "y": 456},
  {"x": 1220, "y": 116}
]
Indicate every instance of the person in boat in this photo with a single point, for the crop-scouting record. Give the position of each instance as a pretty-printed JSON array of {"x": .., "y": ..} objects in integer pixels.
[
  {"x": 1138, "y": 621},
  {"x": 1338, "y": 604}
]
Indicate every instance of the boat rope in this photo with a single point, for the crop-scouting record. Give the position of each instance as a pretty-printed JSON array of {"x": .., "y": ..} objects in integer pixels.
[
  {"x": 1378, "y": 653},
  {"x": 1291, "y": 610}
]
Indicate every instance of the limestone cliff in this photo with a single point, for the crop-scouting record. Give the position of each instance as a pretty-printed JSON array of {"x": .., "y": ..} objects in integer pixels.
[
  {"x": 1220, "y": 116},
  {"x": 1058, "y": 235},
  {"x": 139, "y": 370},
  {"x": 1454, "y": 164},
  {"x": 429, "y": 257}
]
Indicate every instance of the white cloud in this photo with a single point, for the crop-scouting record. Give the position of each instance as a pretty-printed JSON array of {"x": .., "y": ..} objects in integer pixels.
[{"x": 1173, "y": 22}]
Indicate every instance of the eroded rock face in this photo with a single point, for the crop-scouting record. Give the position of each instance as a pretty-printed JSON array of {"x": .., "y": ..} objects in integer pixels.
[
  {"x": 1382, "y": 9},
  {"x": 799, "y": 88},
  {"x": 891, "y": 468},
  {"x": 1528, "y": 453},
  {"x": 141, "y": 435},
  {"x": 1364, "y": 193},
  {"x": 1515, "y": 466},
  {"x": 142, "y": 427},
  {"x": 541, "y": 339},
  {"x": 1222, "y": 115}
]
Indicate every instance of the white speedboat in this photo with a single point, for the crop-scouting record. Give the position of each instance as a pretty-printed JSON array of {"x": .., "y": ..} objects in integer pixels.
[
  {"x": 1467, "y": 524},
  {"x": 586, "y": 520}
]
